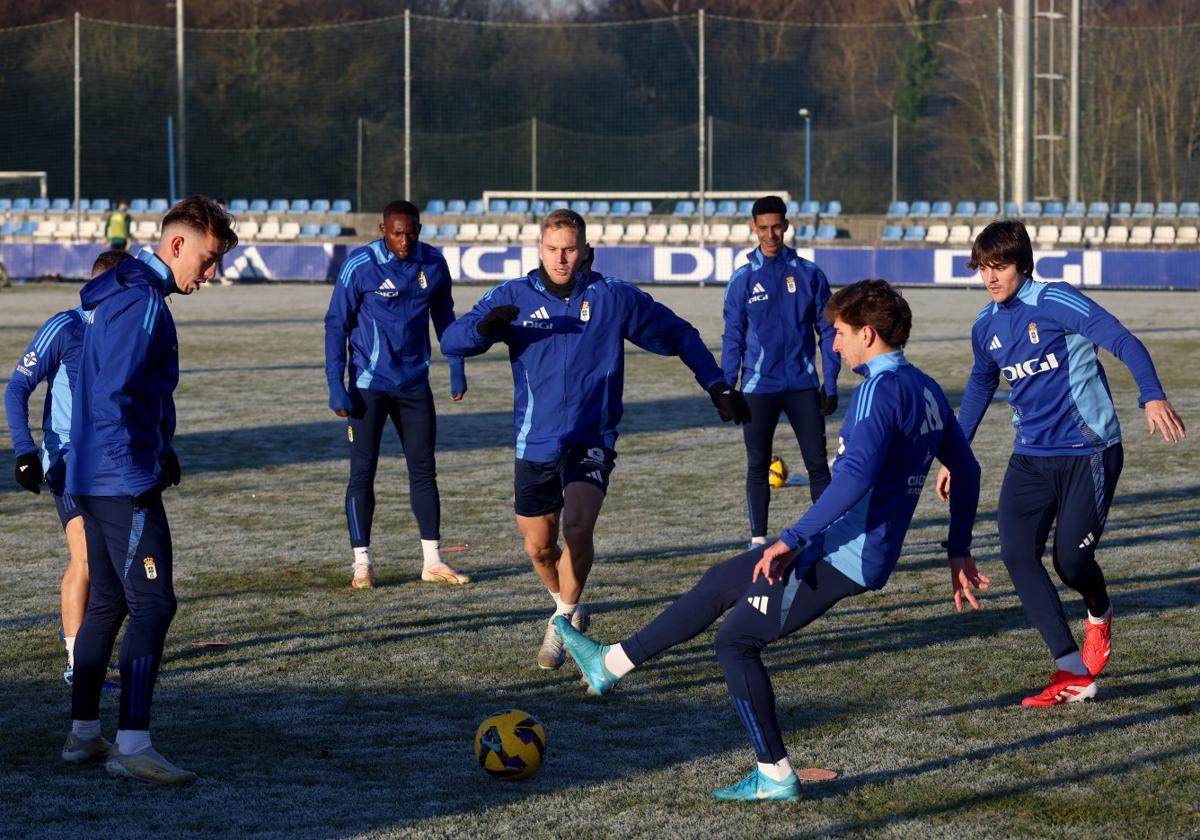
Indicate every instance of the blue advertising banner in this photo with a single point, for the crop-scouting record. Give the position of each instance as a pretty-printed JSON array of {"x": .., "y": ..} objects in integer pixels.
[{"x": 320, "y": 262}]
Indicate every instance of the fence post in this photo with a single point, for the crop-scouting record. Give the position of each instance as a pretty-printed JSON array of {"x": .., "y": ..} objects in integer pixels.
[
  {"x": 358, "y": 205},
  {"x": 179, "y": 75},
  {"x": 701, "y": 126},
  {"x": 533, "y": 163},
  {"x": 407, "y": 106},
  {"x": 895, "y": 154},
  {"x": 1000, "y": 101},
  {"x": 77, "y": 125}
]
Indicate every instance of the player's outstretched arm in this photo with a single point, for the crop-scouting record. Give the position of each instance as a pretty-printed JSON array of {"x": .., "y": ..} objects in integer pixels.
[
  {"x": 964, "y": 576},
  {"x": 1162, "y": 417}
]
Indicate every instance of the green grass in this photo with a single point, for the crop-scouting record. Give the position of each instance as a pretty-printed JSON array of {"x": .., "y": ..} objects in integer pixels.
[{"x": 333, "y": 713}]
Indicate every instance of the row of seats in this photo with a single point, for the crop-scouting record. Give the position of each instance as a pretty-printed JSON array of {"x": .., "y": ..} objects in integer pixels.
[
  {"x": 1099, "y": 210},
  {"x": 1050, "y": 235},
  {"x": 56, "y": 205},
  {"x": 146, "y": 230},
  {"x": 618, "y": 209},
  {"x": 617, "y": 233},
  {"x": 281, "y": 206},
  {"x": 260, "y": 206}
]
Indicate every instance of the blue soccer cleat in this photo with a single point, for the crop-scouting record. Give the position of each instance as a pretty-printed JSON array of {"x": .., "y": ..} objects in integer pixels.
[
  {"x": 589, "y": 656},
  {"x": 759, "y": 788}
]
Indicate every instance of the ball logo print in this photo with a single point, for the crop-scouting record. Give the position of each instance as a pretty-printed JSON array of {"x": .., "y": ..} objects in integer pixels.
[{"x": 510, "y": 744}]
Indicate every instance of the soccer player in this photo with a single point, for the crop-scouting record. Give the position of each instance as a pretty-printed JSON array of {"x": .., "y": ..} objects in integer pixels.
[
  {"x": 565, "y": 326},
  {"x": 122, "y": 428},
  {"x": 53, "y": 356},
  {"x": 118, "y": 227},
  {"x": 382, "y": 303},
  {"x": 773, "y": 313},
  {"x": 848, "y": 542},
  {"x": 1067, "y": 456}
]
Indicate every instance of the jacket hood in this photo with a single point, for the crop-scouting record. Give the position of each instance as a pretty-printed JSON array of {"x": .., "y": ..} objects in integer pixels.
[{"x": 145, "y": 270}]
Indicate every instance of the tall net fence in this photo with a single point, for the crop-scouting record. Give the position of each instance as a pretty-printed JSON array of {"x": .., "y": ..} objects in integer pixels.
[{"x": 321, "y": 112}]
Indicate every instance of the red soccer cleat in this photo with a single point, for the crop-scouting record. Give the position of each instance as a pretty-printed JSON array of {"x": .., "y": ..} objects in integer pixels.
[
  {"x": 1064, "y": 687},
  {"x": 1097, "y": 644}
]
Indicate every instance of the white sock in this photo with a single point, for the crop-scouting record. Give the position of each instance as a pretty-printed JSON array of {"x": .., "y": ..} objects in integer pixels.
[
  {"x": 1072, "y": 662},
  {"x": 565, "y": 609},
  {"x": 617, "y": 661},
  {"x": 431, "y": 550},
  {"x": 69, "y": 641},
  {"x": 1104, "y": 619},
  {"x": 86, "y": 730},
  {"x": 778, "y": 771},
  {"x": 362, "y": 557},
  {"x": 758, "y": 541},
  {"x": 130, "y": 741},
  {"x": 557, "y": 600}
]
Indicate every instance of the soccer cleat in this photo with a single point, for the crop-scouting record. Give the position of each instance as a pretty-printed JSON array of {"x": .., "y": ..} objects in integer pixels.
[
  {"x": 445, "y": 574},
  {"x": 364, "y": 577},
  {"x": 77, "y": 751},
  {"x": 550, "y": 654},
  {"x": 1097, "y": 644},
  {"x": 148, "y": 765},
  {"x": 109, "y": 683},
  {"x": 589, "y": 656},
  {"x": 1064, "y": 687},
  {"x": 757, "y": 787}
]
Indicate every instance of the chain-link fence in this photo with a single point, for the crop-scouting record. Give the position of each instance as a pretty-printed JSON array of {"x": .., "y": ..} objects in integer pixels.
[{"x": 284, "y": 113}]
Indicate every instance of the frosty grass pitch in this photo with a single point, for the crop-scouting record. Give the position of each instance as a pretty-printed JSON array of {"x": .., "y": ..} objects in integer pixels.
[{"x": 335, "y": 713}]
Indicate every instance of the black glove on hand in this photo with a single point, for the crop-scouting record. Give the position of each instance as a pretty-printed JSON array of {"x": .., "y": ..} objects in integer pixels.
[
  {"x": 147, "y": 499},
  {"x": 730, "y": 403},
  {"x": 828, "y": 404},
  {"x": 172, "y": 472},
  {"x": 493, "y": 324},
  {"x": 29, "y": 472}
]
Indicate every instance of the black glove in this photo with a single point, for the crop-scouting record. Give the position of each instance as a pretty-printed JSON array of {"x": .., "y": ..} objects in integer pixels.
[
  {"x": 494, "y": 324},
  {"x": 149, "y": 498},
  {"x": 730, "y": 403},
  {"x": 172, "y": 472},
  {"x": 29, "y": 472},
  {"x": 828, "y": 404}
]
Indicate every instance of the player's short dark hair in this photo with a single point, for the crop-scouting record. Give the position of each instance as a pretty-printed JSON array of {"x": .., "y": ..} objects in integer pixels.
[
  {"x": 201, "y": 213},
  {"x": 1003, "y": 243},
  {"x": 768, "y": 204},
  {"x": 564, "y": 218},
  {"x": 874, "y": 303},
  {"x": 402, "y": 208},
  {"x": 107, "y": 260}
]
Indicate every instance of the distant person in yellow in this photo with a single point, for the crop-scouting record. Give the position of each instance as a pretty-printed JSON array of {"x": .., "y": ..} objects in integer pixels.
[{"x": 118, "y": 227}]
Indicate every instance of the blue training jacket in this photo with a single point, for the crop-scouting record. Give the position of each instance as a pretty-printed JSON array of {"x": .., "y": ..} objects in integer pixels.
[
  {"x": 123, "y": 416},
  {"x": 52, "y": 356},
  {"x": 382, "y": 305},
  {"x": 774, "y": 307},
  {"x": 568, "y": 357},
  {"x": 1043, "y": 342},
  {"x": 897, "y": 422}
]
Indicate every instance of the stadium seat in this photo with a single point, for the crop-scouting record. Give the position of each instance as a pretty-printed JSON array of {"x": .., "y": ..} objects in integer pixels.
[
  {"x": 940, "y": 210},
  {"x": 139, "y": 205},
  {"x": 310, "y": 230},
  {"x": 619, "y": 209},
  {"x": 299, "y": 206},
  {"x": 145, "y": 230},
  {"x": 448, "y": 231},
  {"x": 745, "y": 208},
  {"x": 509, "y": 232},
  {"x": 826, "y": 233},
  {"x": 289, "y": 231},
  {"x": 612, "y": 233},
  {"x": 677, "y": 234},
  {"x": 467, "y": 232},
  {"x": 1166, "y": 210},
  {"x": 44, "y": 230},
  {"x": 892, "y": 233},
  {"x": 539, "y": 207},
  {"x": 897, "y": 210},
  {"x": 5, "y": 205},
  {"x": 914, "y": 233},
  {"x": 559, "y": 204},
  {"x": 65, "y": 229},
  {"x": 475, "y": 207},
  {"x": 238, "y": 205},
  {"x": 1047, "y": 235},
  {"x": 695, "y": 232},
  {"x": 40, "y": 205},
  {"x": 435, "y": 207},
  {"x": 964, "y": 210},
  {"x": 1164, "y": 235},
  {"x": 1094, "y": 234},
  {"x": 807, "y": 210},
  {"x": 1098, "y": 210},
  {"x": 60, "y": 205},
  {"x": 1187, "y": 235},
  {"x": 960, "y": 235},
  {"x": 1070, "y": 235},
  {"x": 331, "y": 230},
  {"x": 656, "y": 234},
  {"x": 1031, "y": 210},
  {"x": 1141, "y": 235},
  {"x": 489, "y": 233},
  {"x": 269, "y": 230},
  {"x": 684, "y": 208},
  {"x": 1123, "y": 210},
  {"x": 641, "y": 208},
  {"x": 937, "y": 234},
  {"x": 319, "y": 206},
  {"x": 279, "y": 205},
  {"x": 90, "y": 230},
  {"x": 27, "y": 228},
  {"x": 1075, "y": 210},
  {"x": 918, "y": 210},
  {"x": 456, "y": 207},
  {"x": 988, "y": 210},
  {"x": 832, "y": 210},
  {"x": 635, "y": 234},
  {"x": 1053, "y": 210},
  {"x": 804, "y": 233},
  {"x": 530, "y": 233},
  {"x": 582, "y": 207},
  {"x": 1116, "y": 235},
  {"x": 246, "y": 229},
  {"x": 1189, "y": 210},
  {"x": 259, "y": 206},
  {"x": 519, "y": 205},
  {"x": 1143, "y": 210},
  {"x": 342, "y": 205},
  {"x": 101, "y": 205},
  {"x": 718, "y": 233},
  {"x": 1011, "y": 210},
  {"x": 726, "y": 207},
  {"x": 599, "y": 209},
  {"x": 710, "y": 208},
  {"x": 9, "y": 228},
  {"x": 159, "y": 205},
  {"x": 21, "y": 205},
  {"x": 975, "y": 231}
]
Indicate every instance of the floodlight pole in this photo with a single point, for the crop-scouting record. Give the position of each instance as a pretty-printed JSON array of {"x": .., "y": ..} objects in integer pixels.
[
  {"x": 1022, "y": 108},
  {"x": 358, "y": 205},
  {"x": 804, "y": 112},
  {"x": 533, "y": 161},
  {"x": 179, "y": 74},
  {"x": 1073, "y": 123},
  {"x": 77, "y": 126},
  {"x": 1000, "y": 102},
  {"x": 895, "y": 154},
  {"x": 701, "y": 122},
  {"x": 407, "y": 106}
]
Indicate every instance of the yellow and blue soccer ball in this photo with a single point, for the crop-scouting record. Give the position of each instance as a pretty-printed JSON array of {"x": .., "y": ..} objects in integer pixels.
[
  {"x": 510, "y": 745},
  {"x": 778, "y": 474}
]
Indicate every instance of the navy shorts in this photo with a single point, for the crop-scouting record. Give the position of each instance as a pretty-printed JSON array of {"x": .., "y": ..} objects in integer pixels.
[
  {"x": 538, "y": 485},
  {"x": 56, "y": 480}
]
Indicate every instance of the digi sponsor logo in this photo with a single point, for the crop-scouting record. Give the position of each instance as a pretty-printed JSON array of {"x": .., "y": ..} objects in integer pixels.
[
  {"x": 539, "y": 319},
  {"x": 758, "y": 294},
  {"x": 387, "y": 289},
  {"x": 1079, "y": 268},
  {"x": 1032, "y": 367}
]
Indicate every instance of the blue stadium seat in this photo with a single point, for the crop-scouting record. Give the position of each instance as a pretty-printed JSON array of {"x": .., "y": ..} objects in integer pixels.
[
  {"x": 159, "y": 205},
  {"x": 581, "y": 207},
  {"x": 42, "y": 204},
  {"x": 60, "y": 205},
  {"x": 1189, "y": 210},
  {"x": 101, "y": 205},
  {"x": 331, "y": 230},
  {"x": 539, "y": 206},
  {"x": 684, "y": 208},
  {"x": 1166, "y": 210},
  {"x": 342, "y": 205},
  {"x": 9, "y": 228},
  {"x": 497, "y": 207},
  {"x": 892, "y": 233},
  {"x": 519, "y": 205},
  {"x": 1123, "y": 209},
  {"x": 259, "y": 205},
  {"x": 619, "y": 208},
  {"x": 27, "y": 228},
  {"x": 456, "y": 207},
  {"x": 987, "y": 210},
  {"x": 940, "y": 210},
  {"x": 85, "y": 205},
  {"x": 447, "y": 231},
  {"x": 918, "y": 210},
  {"x": 279, "y": 205},
  {"x": 21, "y": 204},
  {"x": 915, "y": 233},
  {"x": 826, "y": 233},
  {"x": 745, "y": 207},
  {"x": 5, "y": 205},
  {"x": 309, "y": 230},
  {"x": 804, "y": 233},
  {"x": 808, "y": 209},
  {"x": 559, "y": 204},
  {"x": 1053, "y": 210},
  {"x": 1097, "y": 210},
  {"x": 641, "y": 208},
  {"x": 897, "y": 210},
  {"x": 832, "y": 210},
  {"x": 964, "y": 209},
  {"x": 1143, "y": 210},
  {"x": 726, "y": 207},
  {"x": 1075, "y": 210},
  {"x": 1011, "y": 210},
  {"x": 435, "y": 207},
  {"x": 238, "y": 205},
  {"x": 319, "y": 205},
  {"x": 600, "y": 208},
  {"x": 475, "y": 207},
  {"x": 710, "y": 208},
  {"x": 793, "y": 209},
  {"x": 139, "y": 205},
  {"x": 1031, "y": 209},
  {"x": 298, "y": 206}
]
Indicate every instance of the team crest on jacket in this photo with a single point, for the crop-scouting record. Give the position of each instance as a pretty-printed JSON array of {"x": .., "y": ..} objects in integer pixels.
[
  {"x": 1033, "y": 333},
  {"x": 151, "y": 570},
  {"x": 791, "y": 284},
  {"x": 29, "y": 360},
  {"x": 585, "y": 312},
  {"x": 421, "y": 281}
]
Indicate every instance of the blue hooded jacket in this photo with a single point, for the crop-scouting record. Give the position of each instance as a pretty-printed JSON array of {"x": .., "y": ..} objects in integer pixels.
[
  {"x": 123, "y": 416},
  {"x": 568, "y": 356}
]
